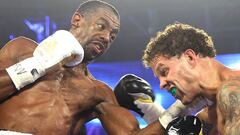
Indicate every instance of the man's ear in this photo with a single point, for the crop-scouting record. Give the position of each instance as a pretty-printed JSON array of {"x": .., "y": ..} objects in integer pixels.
[
  {"x": 76, "y": 18},
  {"x": 190, "y": 56}
]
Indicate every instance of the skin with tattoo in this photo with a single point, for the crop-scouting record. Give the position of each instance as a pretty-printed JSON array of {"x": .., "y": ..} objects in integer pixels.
[
  {"x": 228, "y": 106},
  {"x": 183, "y": 57}
]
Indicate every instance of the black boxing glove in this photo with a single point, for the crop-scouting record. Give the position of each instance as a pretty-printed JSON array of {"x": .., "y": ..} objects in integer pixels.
[
  {"x": 130, "y": 85},
  {"x": 187, "y": 125}
]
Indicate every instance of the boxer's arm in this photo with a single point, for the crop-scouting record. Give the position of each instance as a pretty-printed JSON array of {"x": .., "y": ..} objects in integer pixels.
[
  {"x": 229, "y": 107},
  {"x": 208, "y": 126},
  {"x": 203, "y": 115},
  {"x": 117, "y": 120},
  {"x": 7, "y": 87},
  {"x": 54, "y": 51},
  {"x": 14, "y": 51}
]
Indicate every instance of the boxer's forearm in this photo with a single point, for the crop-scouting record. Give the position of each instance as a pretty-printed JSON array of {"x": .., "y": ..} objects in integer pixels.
[
  {"x": 154, "y": 128},
  {"x": 6, "y": 85},
  {"x": 119, "y": 121}
]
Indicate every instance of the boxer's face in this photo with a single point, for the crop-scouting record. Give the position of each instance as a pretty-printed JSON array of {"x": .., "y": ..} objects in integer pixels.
[
  {"x": 97, "y": 32},
  {"x": 176, "y": 72}
]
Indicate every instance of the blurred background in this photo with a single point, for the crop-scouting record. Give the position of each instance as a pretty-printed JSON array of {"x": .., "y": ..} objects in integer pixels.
[{"x": 140, "y": 20}]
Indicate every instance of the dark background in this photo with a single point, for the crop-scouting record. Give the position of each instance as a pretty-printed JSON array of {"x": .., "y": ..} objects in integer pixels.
[{"x": 140, "y": 20}]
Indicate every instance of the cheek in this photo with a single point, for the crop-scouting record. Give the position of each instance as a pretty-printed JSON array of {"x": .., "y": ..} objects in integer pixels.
[
  {"x": 80, "y": 36},
  {"x": 177, "y": 74},
  {"x": 186, "y": 74},
  {"x": 85, "y": 34},
  {"x": 185, "y": 79}
]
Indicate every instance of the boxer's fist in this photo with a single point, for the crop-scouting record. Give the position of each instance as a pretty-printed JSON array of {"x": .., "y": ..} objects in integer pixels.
[
  {"x": 58, "y": 47},
  {"x": 187, "y": 125},
  {"x": 132, "y": 89}
]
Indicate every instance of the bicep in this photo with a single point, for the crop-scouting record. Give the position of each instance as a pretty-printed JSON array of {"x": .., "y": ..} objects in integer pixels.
[{"x": 106, "y": 94}]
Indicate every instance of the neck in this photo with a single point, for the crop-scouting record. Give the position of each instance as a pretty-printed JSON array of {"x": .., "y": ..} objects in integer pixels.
[
  {"x": 81, "y": 68},
  {"x": 212, "y": 76}
]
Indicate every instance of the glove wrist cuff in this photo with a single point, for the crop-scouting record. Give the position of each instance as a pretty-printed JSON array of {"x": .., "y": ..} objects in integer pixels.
[
  {"x": 25, "y": 72},
  {"x": 165, "y": 119},
  {"x": 152, "y": 112}
]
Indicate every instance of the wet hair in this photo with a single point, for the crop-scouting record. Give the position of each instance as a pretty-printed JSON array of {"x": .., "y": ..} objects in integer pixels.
[
  {"x": 90, "y": 7},
  {"x": 175, "y": 40}
]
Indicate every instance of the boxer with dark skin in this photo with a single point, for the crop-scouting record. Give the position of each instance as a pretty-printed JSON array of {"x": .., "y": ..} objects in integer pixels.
[
  {"x": 65, "y": 98},
  {"x": 60, "y": 102}
]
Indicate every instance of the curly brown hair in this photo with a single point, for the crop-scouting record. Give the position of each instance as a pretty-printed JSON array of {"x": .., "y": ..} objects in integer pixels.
[{"x": 175, "y": 40}]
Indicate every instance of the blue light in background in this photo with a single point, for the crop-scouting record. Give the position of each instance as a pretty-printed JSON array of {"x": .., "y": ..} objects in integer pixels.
[
  {"x": 38, "y": 28},
  {"x": 42, "y": 28},
  {"x": 47, "y": 25},
  {"x": 11, "y": 36}
]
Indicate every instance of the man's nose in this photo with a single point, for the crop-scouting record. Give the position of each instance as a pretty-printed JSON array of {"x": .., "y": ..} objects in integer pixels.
[
  {"x": 105, "y": 36},
  {"x": 163, "y": 83}
]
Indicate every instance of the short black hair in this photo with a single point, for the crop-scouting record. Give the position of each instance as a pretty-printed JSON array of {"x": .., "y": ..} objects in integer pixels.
[{"x": 92, "y": 6}]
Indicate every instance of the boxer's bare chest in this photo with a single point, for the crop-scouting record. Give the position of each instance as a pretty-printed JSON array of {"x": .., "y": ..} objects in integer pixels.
[
  {"x": 60, "y": 101},
  {"x": 76, "y": 92}
]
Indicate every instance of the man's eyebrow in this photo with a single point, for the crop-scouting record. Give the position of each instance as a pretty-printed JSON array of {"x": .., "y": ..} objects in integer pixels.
[{"x": 104, "y": 20}]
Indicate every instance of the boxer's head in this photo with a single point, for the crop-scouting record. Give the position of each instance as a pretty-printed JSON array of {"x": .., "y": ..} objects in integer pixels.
[
  {"x": 175, "y": 56},
  {"x": 95, "y": 24}
]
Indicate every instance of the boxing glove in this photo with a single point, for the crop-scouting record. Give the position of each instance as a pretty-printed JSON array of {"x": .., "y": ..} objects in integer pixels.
[
  {"x": 178, "y": 109},
  {"x": 187, "y": 125},
  {"x": 50, "y": 52},
  {"x": 131, "y": 89}
]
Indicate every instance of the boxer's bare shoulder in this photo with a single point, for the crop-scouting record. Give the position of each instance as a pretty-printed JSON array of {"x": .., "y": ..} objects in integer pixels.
[{"x": 16, "y": 50}]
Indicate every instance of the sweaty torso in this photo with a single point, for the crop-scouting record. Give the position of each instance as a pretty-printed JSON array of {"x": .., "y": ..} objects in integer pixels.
[{"x": 57, "y": 104}]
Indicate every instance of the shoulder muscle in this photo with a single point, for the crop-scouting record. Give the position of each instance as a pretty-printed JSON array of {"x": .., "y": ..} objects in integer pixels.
[{"x": 16, "y": 50}]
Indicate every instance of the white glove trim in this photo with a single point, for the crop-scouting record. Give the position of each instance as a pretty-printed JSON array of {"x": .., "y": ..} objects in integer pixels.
[
  {"x": 25, "y": 72},
  {"x": 12, "y": 133}
]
